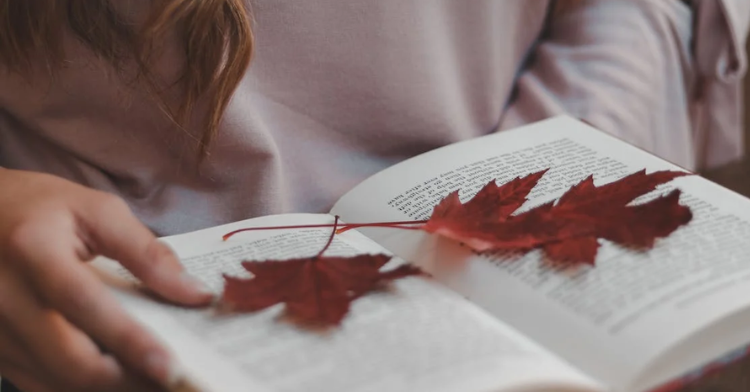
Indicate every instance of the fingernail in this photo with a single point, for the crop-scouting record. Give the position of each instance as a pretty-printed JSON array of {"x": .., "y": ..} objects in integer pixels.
[
  {"x": 161, "y": 368},
  {"x": 196, "y": 284}
]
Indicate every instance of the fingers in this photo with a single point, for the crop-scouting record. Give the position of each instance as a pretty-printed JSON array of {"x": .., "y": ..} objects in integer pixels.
[
  {"x": 134, "y": 383},
  {"x": 73, "y": 290},
  {"x": 111, "y": 230},
  {"x": 35, "y": 378},
  {"x": 54, "y": 313},
  {"x": 43, "y": 352},
  {"x": 25, "y": 380},
  {"x": 12, "y": 351}
]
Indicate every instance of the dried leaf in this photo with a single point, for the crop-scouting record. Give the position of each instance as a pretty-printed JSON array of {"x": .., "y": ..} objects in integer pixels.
[
  {"x": 567, "y": 231},
  {"x": 492, "y": 203},
  {"x": 316, "y": 290}
]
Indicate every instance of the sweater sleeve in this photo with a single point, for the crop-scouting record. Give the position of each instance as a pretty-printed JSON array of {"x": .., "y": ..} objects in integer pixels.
[
  {"x": 649, "y": 72},
  {"x": 721, "y": 28}
]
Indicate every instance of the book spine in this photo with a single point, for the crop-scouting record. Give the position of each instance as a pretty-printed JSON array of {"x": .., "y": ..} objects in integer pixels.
[{"x": 705, "y": 370}]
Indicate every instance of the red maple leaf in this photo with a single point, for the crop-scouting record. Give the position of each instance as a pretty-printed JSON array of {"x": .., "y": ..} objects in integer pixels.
[
  {"x": 568, "y": 230},
  {"x": 316, "y": 290}
]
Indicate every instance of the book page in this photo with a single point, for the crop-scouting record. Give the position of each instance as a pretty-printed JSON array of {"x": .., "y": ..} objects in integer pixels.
[
  {"x": 418, "y": 336},
  {"x": 616, "y": 321}
]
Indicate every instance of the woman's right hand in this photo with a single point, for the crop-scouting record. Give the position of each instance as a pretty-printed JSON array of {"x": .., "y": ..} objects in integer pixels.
[{"x": 55, "y": 314}]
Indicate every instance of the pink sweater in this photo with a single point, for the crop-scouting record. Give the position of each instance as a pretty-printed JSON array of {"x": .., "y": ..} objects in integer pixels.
[{"x": 339, "y": 90}]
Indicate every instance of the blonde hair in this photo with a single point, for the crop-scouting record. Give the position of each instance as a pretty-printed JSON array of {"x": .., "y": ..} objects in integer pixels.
[{"x": 215, "y": 35}]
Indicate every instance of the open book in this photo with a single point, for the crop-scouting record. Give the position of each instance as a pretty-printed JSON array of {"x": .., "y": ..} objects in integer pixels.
[{"x": 635, "y": 322}]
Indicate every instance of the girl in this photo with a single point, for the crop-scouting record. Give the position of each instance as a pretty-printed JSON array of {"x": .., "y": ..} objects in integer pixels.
[{"x": 124, "y": 119}]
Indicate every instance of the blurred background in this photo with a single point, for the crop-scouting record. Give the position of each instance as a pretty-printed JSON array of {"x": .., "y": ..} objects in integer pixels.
[{"x": 736, "y": 176}]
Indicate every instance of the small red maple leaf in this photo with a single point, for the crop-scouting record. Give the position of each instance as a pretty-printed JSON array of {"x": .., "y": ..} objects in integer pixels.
[
  {"x": 567, "y": 231},
  {"x": 315, "y": 290}
]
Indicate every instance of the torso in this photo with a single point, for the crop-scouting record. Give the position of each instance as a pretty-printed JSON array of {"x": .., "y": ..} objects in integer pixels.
[{"x": 336, "y": 92}]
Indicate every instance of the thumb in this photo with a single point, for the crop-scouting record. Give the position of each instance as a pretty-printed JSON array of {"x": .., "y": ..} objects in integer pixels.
[{"x": 111, "y": 230}]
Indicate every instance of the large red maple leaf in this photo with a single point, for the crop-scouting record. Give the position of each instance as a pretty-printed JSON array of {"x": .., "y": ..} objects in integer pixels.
[
  {"x": 567, "y": 230},
  {"x": 316, "y": 290}
]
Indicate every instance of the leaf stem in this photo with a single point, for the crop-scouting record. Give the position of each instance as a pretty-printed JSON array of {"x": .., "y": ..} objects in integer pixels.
[
  {"x": 342, "y": 228},
  {"x": 393, "y": 225},
  {"x": 330, "y": 239}
]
